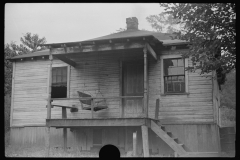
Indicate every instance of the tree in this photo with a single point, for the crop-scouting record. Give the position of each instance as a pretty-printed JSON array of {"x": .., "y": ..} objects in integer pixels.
[
  {"x": 211, "y": 29},
  {"x": 11, "y": 50},
  {"x": 33, "y": 42},
  {"x": 164, "y": 23},
  {"x": 228, "y": 93}
]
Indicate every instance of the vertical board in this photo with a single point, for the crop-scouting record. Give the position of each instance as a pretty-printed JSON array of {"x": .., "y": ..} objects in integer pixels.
[
  {"x": 191, "y": 140},
  {"x": 145, "y": 140},
  {"x": 121, "y": 137},
  {"x": 196, "y": 138},
  {"x": 12, "y": 96}
]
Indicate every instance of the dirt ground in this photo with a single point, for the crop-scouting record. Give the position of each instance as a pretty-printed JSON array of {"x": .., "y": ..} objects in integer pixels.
[{"x": 59, "y": 152}]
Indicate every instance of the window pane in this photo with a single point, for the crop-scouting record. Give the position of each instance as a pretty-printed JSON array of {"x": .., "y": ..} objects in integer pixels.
[
  {"x": 59, "y": 78},
  {"x": 180, "y": 62},
  {"x": 64, "y": 74},
  {"x": 166, "y": 64},
  {"x": 177, "y": 86},
  {"x": 175, "y": 70},
  {"x": 169, "y": 87},
  {"x": 174, "y": 61},
  {"x": 182, "y": 86},
  {"x": 180, "y": 78},
  {"x": 174, "y": 78},
  {"x": 54, "y": 75}
]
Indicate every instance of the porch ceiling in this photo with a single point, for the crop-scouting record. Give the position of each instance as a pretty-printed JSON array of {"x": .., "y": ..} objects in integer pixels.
[{"x": 65, "y": 53}]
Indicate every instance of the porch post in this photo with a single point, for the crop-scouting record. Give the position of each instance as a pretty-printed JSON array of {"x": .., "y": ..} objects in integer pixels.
[
  {"x": 135, "y": 144},
  {"x": 49, "y": 103},
  {"x": 145, "y": 141},
  {"x": 145, "y": 84},
  {"x": 64, "y": 116}
]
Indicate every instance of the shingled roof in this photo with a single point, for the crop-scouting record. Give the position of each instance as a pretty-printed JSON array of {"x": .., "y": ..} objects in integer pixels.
[
  {"x": 34, "y": 54},
  {"x": 131, "y": 32},
  {"x": 165, "y": 38}
]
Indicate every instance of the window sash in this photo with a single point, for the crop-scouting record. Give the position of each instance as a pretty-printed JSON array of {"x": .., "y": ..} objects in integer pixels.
[
  {"x": 59, "y": 76},
  {"x": 172, "y": 84},
  {"x": 176, "y": 85}
]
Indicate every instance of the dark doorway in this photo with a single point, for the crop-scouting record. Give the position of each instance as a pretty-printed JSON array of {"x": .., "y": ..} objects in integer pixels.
[{"x": 133, "y": 74}]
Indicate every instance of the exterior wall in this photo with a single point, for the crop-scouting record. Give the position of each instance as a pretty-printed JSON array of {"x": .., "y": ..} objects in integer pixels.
[
  {"x": 31, "y": 81},
  {"x": 29, "y": 92},
  {"x": 196, "y": 138},
  {"x": 196, "y": 107},
  {"x": 216, "y": 99}
]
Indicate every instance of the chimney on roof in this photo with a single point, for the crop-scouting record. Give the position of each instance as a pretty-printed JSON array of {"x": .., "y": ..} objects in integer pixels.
[{"x": 132, "y": 23}]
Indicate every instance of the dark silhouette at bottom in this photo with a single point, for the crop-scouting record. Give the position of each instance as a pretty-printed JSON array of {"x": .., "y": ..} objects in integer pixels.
[{"x": 109, "y": 151}]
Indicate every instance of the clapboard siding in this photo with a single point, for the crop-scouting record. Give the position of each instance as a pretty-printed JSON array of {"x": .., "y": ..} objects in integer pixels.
[
  {"x": 194, "y": 107},
  {"x": 95, "y": 72},
  {"x": 30, "y": 93}
]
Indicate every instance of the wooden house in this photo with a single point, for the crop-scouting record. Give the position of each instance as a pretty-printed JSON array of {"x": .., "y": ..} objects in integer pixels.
[{"x": 149, "y": 103}]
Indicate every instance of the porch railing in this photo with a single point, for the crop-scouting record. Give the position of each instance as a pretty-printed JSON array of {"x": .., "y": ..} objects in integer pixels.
[{"x": 64, "y": 108}]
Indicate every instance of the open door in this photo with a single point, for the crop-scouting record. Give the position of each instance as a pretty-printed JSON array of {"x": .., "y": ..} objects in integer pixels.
[{"x": 133, "y": 74}]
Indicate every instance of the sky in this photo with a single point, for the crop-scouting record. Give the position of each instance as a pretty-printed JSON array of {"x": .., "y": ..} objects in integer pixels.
[{"x": 69, "y": 22}]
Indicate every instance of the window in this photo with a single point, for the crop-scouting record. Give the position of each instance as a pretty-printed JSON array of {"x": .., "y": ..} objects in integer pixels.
[
  {"x": 59, "y": 82},
  {"x": 174, "y": 78}
]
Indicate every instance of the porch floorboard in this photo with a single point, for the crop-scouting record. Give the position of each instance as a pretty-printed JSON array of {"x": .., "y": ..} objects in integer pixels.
[{"x": 98, "y": 122}]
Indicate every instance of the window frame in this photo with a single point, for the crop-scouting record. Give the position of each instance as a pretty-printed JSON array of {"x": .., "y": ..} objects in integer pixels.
[
  {"x": 68, "y": 76},
  {"x": 162, "y": 57}
]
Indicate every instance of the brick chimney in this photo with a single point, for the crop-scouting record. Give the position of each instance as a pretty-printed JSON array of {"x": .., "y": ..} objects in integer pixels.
[{"x": 132, "y": 23}]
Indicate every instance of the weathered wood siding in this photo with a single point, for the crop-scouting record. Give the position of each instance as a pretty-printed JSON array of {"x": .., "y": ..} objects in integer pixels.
[
  {"x": 216, "y": 99},
  {"x": 95, "y": 71},
  {"x": 197, "y": 107},
  {"x": 92, "y": 71},
  {"x": 30, "y": 91},
  {"x": 196, "y": 138}
]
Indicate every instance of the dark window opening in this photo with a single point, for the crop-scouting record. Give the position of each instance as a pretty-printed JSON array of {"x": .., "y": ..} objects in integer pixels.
[
  {"x": 174, "y": 75},
  {"x": 59, "y": 82},
  {"x": 97, "y": 136}
]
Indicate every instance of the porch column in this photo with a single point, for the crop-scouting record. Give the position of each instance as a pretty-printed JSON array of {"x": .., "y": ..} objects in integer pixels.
[
  {"x": 135, "y": 144},
  {"x": 64, "y": 116},
  {"x": 145, "y": 141},
  {"x": 145, "y": 99},
  {"x": 49, "y": 103}
]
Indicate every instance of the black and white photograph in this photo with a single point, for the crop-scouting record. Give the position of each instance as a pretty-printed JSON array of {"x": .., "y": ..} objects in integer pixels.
[{"x": 118, "y": 80}]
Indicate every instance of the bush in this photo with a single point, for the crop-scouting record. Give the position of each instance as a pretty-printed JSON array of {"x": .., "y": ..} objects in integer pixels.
[
  {"x": 228, "y": 116},
  {"x": 7, "y": 106}
]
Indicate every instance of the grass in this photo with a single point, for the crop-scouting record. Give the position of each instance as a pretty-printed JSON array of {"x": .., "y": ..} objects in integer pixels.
[
  {"x": 40, "y": 152},
  {"x": 228, "y": 117}
]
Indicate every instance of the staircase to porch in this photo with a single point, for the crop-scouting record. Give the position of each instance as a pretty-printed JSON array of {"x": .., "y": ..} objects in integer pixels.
[
  {"x": 174, "y": 143},
  {"x": 168, "y": 137}
]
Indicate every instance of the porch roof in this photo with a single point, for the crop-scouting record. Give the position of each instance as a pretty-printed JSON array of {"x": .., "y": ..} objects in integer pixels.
[{"x": 164, "y": 38}]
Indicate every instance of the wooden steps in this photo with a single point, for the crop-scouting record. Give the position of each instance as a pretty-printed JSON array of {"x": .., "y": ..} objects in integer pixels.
[
  {"x": 201, "y": 154},
  {"x": 168, "y": 138}
]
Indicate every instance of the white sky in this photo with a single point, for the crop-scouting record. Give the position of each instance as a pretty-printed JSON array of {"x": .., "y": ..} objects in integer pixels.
[{"x": 69, "y": 22}]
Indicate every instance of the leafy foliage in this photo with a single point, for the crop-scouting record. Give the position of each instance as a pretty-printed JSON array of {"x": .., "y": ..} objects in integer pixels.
[
  {"x": 33, "y": 42},
  {"x": 164, "y": 23},
  {"x": 228, "y": 93},
  {"x": 211, "y": 29},
  {"x": 11, "y": 50}
]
